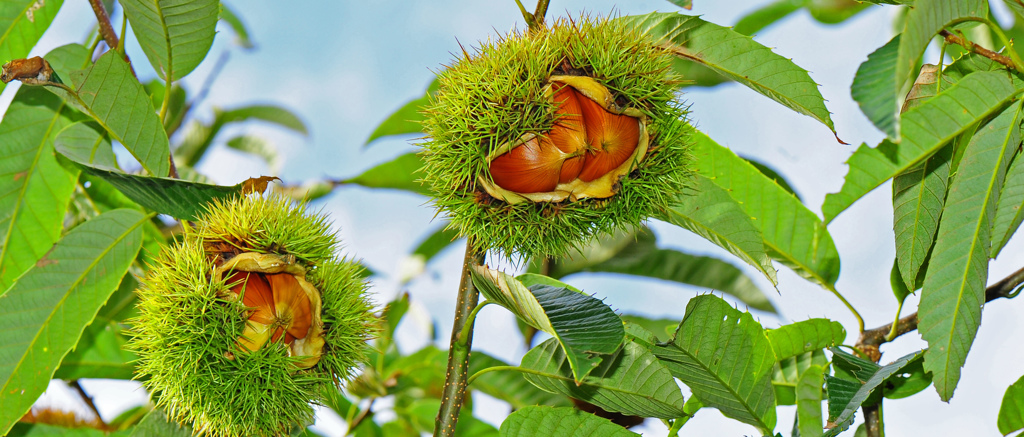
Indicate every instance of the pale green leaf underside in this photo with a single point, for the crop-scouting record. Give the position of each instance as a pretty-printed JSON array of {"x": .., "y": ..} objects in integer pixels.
[
  {"x": 924, "y": 130},
  {"x": 792, "y": 233},
  {"x": 43, "y": 315},
  {"x": 120, "y": 104},
  {"x": 1011, "y": 411},
  {"x": 805, "y": 336},
  {"x": 174, "y": 34},
  {"x": 631, "y": 381},
  {"x": 923, "y": 21},
  {"x": 711, "y": 213},
  {"x": 737, "y": 57},
  {"x": 268, "y": 113},
  {"x": 563, "y": 422},
  {"x": 22, "y": 23},
  {"x": 725, "y": 358},
  {"x": 787, "y": 372},
  {"x": 954, "y": 286},
  {"x": 34, "y": 188}
]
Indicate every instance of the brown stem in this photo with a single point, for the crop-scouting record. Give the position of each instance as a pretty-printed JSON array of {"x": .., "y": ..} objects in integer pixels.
[
  {"x": 873, "y": 420},
  {"x": 871, "y": 339},
  {"x": 970, "y": 46},
  {"x": 454, "y": 390},
  {"x": 106, "y": 29}
]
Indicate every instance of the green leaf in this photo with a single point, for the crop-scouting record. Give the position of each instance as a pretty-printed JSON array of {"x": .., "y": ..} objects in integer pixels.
[
  {"x": 660, "y": 328},
  {"x": 631, "y": 381},
  {"x": 437, "y": 241},
  {"x": 766, "y": 15},
  {"x": 910, "y": 380},
  {"x": 774, "y": 175},
  {"x": 918, "y": 197},
  {"x": 584, "y": 326},
  {"x": 725, "y": 358},
  {"x": 156, "y": 424},
  {"x": 1009, "y": 211},
  {"x": 719, "y": 218},
  {"x": 405, "y": 120},
  {"x": 562, "y": 422},
  {"x": 808, "y": 401},
  {"x": 924, "y": 20},
  {"x": 43, "y": 315},
  {"x": 22, "y": 23},
  {"x": 257, "y": 146},
  {"x": 1011, "y": 412},
  {"x": 42, "y": 430},
  {"x": 98, "y": 354},
  {"x": 229, "y": 16},
  {"x": 641, "y": 257},
  {"x": 114, "y": 98},
  {"x": 954, "y": 286},
  {"x": 737, "y": 57},
  {"x": 510, "y": 386},
  {"x": 34, "y": 187},
  {"x": 174, "y": 34},
  {"x": 792, "y": 234},
  {"x": 919, "y": 193},
  {"x": 399, "y": 174},
  {"x": 852, "y": 366},
  {"x": 805, "y": 336},
  {"x": 924, "y": 129},
  {"x": 685, "y": 4},
  {"x": 850, "y": 404},
  {"x": 786, "y": 374},
  {"x": 175, "y": 197},
  {"x": 696, "y": 74},
  {"x": 268, "y": 113},
  {"x": 874, "y": 90}
]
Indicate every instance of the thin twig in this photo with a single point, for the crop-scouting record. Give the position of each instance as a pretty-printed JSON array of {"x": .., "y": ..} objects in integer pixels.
[
  {"x": 877, "y": 336},
  {"x": 454, "y": 390},
  {"x": 362, "y": 416},
  {"x": 106, "y": 29},
  {"x": 871, "y": 339},
  {"x": 972, "y": 47}
]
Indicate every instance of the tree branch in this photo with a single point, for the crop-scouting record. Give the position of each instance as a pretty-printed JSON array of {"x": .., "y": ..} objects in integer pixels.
[
  {"x": 871, "y": 339},
  {"x": 972, "y": 47}
]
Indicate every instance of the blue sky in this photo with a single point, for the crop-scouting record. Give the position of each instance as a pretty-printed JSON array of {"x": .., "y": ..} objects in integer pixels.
[{"x": 345, "y": 66}]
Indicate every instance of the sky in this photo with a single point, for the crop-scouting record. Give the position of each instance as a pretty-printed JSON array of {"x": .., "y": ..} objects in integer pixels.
[{"x": 345, "y": 66}]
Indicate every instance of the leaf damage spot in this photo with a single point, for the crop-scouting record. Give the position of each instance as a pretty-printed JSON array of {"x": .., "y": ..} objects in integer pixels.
[{"x": 30, "y": 13}]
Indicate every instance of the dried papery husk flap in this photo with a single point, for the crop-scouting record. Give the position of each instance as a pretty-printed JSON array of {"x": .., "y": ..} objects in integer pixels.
[
  {"x": 600, "y": 187},
  {"x": 280, "y": 275}
]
